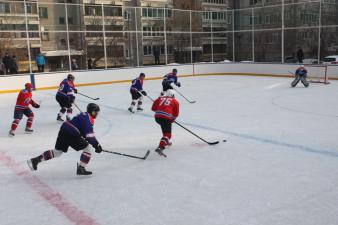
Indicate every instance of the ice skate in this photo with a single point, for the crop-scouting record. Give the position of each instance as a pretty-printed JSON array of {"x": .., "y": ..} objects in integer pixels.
[{"x": 82, "y": 170}]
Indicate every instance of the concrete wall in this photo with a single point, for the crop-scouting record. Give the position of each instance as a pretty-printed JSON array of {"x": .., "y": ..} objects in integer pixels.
[{"x": 96, "y": 77}]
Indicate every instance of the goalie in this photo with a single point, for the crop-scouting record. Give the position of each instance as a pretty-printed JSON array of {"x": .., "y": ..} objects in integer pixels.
[{"x": 300, "y": 75}]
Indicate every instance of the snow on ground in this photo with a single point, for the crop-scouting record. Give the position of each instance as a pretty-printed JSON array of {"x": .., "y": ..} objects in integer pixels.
[{"x": 279, "y": 165}]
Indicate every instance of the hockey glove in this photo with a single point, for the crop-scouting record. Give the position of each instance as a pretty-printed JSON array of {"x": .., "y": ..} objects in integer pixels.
[
  {"x": 75, "y": 90},
  {"x": 98, "y": 148},
  {"x": 178, "y": 84},
  {"x": 36, "y": 105},
  {"x": 144, "y": 93}
]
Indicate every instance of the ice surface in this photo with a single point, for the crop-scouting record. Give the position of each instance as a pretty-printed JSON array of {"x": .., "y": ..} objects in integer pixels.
[{"x": 279, "y": 165}]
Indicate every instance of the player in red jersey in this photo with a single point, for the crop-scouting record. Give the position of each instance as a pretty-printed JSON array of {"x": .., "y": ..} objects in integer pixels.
[
  {"x": 166, "y": 110},
  {"x": 22, "y": 108}
]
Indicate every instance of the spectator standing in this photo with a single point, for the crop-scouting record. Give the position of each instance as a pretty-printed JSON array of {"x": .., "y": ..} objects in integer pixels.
[
  {"x": 2, "y": 68},
  {"x": 6, "y": 60},
  {"x": 40, "y": 62},
  {"x": 300, "y": 55},
  {"x": 157, "y": 55},
  {"x": 90, "y": 63},
  {"x": 74, "y": 65},
  {"x": 13, "y": 66}
]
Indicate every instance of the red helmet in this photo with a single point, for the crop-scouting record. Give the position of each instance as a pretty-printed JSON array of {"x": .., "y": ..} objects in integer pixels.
[{"x": 28, "y": 86}]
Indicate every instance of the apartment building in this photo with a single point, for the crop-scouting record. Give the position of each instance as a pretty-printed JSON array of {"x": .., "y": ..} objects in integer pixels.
[
  {"x": 301, "y": 29},
  {"x": 114, "y": 33},
  {"x": 217, "y": 17},
  {"x": 13, "y": 31}
]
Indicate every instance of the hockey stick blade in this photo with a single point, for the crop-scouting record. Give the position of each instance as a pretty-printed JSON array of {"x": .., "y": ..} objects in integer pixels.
[
  {"x": 192, "y": 102},
  {"x": 88, "y": 96},
  {"x": 127, "y": 155},
  {"x": 213, "y": 143},
  {"x": 146, "y": 155}
]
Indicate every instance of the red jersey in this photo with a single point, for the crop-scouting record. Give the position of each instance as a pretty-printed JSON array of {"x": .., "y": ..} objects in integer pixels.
[
  {"x": 166, "y": 107},
  {"x": 24, "y": 100}
]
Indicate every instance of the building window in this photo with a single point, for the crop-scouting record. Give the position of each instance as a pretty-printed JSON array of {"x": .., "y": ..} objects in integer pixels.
[
  {"x": 156, "y": 13},
  {"x": 62, "y": 20},
  {"x": 147, "y": 50},
  {"x": 255, "y": 2},
  {"x": 63, "y": 42},
  {"x": 4, "y": 8},
  {"x": 45, "y": 36},
  {"x": 29, "y": 8},
  {"x": 70, "y": 20},
  {"x": 43, "y": 13}
]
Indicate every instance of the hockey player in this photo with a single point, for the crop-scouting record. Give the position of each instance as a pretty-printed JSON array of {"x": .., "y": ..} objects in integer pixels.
[
  {"x": 22, "y": 108},
  {"x": 78, "y": 134},
  {"x": 136, "y": 91},
  {"x": 169, "y": 80},
  {"x": 300, "y": 75},
  {"x": 65, "y": 97},
  {"x": 166, "y": 110}
]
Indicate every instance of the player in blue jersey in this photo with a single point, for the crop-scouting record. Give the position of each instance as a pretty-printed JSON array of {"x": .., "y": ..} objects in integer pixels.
[
  {"x": 78, "y": 134},
  {"x": 65, "y": 97},
  {"x": 169, "y": 80},
  {"x": 136, "y": 91},
  {"x": 300, "y": 75}
]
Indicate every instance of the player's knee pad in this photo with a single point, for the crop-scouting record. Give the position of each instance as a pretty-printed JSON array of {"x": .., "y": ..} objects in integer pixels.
[
  {"x": 49, "y": 154},
  {"x": 16, "y": 121},
  {"x": 133, "y": 102},
  {"x": 63, "y": 110},
  {"x": 15, "y": 124},
  {"x": 30, "y": 115},
  {"x": 57, "y": 153},
  {"x": 86, "y": 155},
  {"x": 167, "y": 135}
]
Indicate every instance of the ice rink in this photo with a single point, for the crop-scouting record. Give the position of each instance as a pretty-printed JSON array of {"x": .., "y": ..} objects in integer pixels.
[{"x": 279, "y": 165}]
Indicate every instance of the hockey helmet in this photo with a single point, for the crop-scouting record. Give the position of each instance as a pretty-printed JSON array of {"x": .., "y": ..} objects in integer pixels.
[
  {"x": 175, "y": 70},
  {"x": 171, "y": 93},
  {"x": 93, "y": 109},
  {"x": 70, "y": 77},
  {"x": 28, "y": 86}
]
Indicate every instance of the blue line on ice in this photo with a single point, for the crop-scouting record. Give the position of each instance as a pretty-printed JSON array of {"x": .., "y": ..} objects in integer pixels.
[{"x": 330, "y": 153}]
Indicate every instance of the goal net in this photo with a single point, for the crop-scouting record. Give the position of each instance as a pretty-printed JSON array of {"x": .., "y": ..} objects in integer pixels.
[{"x": 317, "y": 74}]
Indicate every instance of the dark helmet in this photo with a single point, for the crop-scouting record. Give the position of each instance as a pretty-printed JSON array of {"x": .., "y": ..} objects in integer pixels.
[
  {"x": 142, "y": 75},
  {"x": 70, "y": 77},
  {"x": 93, "y": 109},
  {"x": 174, "y": 70}
]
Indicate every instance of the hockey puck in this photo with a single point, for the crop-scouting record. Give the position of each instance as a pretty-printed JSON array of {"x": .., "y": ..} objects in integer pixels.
[{"x": 224, "y": 140}]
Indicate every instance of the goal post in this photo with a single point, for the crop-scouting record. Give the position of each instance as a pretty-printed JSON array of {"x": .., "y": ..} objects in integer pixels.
[{"x": 317, "y": 73}]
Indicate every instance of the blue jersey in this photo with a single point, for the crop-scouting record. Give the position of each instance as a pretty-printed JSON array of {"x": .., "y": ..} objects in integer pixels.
[
  {"x": 82, "y": 125},
  {"x": 136, "y": 85},
  {"x": 66, "y": 88},
  {"x": 169, "y": 78},
  {"x": 301, "y": 72}
]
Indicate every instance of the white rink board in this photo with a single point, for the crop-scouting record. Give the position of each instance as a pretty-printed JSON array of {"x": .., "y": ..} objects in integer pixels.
[{"x": 97, "y": 76}]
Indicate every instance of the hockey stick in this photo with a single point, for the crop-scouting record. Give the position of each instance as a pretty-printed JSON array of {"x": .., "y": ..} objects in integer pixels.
[
  {"x": 78, "y": 108},
  {"x": 131, "y": 156},
  {"x": 183, "y": 96},
  {"x": 88, "y": 96},
  {"x": 209, "y": 143},
  {"x": 291, "y": 72}
]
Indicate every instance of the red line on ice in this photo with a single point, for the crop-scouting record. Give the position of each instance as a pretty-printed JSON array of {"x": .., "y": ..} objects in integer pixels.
[{"x": 53, "y": 197}]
